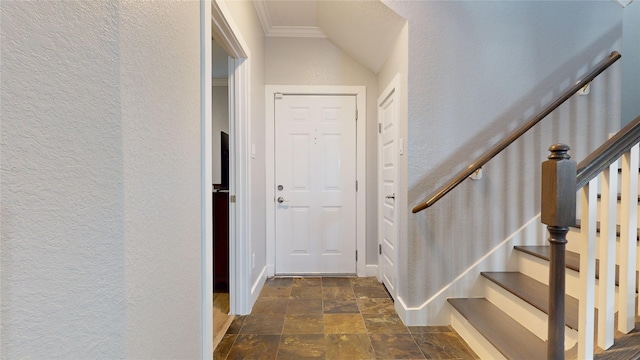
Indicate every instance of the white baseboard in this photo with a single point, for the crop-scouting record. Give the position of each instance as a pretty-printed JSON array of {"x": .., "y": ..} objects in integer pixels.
[
  {"x": 258, "y": 285},
  {"x": 411, "y": 316},
  {"x": 435, "y": 312},
  {"x": 371, "y": 270}
]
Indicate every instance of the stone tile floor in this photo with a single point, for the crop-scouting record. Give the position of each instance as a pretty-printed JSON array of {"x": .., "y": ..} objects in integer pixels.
[{"x": 333, "y": 318}]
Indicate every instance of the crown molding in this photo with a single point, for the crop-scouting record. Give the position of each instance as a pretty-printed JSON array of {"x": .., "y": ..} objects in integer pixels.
[
  {"x": 283, "y": 31},
  {"x": 263, "y": 15}
]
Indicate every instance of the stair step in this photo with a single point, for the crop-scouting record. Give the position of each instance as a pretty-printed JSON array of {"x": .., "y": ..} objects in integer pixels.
[
  {"x": 572, "y": 259},
  {"x": 534, "y": 292},
  {"x": 578, "y": 225},
  {"x": 510, "y": 338}
]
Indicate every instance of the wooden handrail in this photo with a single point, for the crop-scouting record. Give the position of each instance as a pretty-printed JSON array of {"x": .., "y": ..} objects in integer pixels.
[
  {"x": 466, "y": 172},
  {"x": 608, "y": 153}
]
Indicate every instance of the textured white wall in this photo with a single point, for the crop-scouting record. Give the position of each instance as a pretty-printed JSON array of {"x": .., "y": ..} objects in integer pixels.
[
  {"x": 245, "y": 17},
  {"x": 313, "y": 61},
  {"x": 160, "y": 92},
  {"x": 100, "y": 180},
  {"x": 63, "y": 251},
  {"x": 476, "y": 71}
]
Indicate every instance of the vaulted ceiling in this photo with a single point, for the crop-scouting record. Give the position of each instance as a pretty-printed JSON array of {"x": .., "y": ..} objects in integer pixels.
[{"x": 364, "y": 29}]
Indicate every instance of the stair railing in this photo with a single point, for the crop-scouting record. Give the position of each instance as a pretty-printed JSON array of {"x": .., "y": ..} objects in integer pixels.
[
  {"x": 561, "y": 179},
  {"x": 482, "y": 160}
]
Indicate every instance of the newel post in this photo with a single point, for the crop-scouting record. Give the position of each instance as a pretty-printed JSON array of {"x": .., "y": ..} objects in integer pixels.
[{"x": 558, "y": 213}]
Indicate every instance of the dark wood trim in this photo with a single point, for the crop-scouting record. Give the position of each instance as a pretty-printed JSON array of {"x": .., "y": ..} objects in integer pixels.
[
  {"x": 608, "y": 153},
  {"x": 534, "y": 293},
  {"x": 558, "y": 212},
  {"x": 508, "y": 336}
]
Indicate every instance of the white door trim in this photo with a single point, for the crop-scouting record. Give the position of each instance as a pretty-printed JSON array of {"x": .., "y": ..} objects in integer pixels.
[
  {"x": 392, "y": 88},
  {"x": 215, "y": 21},
  {"x": 361, "y": 101}
]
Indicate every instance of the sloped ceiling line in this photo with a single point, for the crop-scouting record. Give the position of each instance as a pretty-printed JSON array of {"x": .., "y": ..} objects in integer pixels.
[{"x": 365, "y": 30}]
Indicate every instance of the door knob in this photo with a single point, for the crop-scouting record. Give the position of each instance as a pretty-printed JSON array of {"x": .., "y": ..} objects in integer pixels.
[
  {"x": 392, "y": 196},
  {"x": 281, "y": 200}
]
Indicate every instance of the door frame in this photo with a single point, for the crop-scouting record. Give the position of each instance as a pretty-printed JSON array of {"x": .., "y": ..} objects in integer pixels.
[
  {"x": 393, "y": 89},
  {"x": 361, "y": 105},
  {"x": 216, "y": 21}
]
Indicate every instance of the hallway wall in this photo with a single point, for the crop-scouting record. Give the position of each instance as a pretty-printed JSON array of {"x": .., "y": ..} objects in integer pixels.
[
  {"x": 100, "y": 158},
  {"x": 160, "y": 94}
]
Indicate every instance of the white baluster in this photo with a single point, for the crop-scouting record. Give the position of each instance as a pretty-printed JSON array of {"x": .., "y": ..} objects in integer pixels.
[
  {"x": 589, "y": 196},
  {"x": 607, "y": 255},
  {"x": 628, "y": 241}
]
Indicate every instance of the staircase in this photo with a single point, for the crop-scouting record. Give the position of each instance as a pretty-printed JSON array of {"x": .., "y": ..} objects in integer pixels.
[
  {"x": 510, "y": 321},
  {"x": 514, "y": 319}
]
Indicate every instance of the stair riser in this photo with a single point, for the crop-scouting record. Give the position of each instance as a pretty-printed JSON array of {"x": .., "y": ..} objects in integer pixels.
[
  {"x": 538, "y": 269},
  {"x": 527, "y": 315},
  {"x": 474, "y": 339},
  {"x": 598, "y": 218},
  {"x": 573, "y": 242},
  {"x": 618, "y": 211},
  {"x": 620, "y": 184}
]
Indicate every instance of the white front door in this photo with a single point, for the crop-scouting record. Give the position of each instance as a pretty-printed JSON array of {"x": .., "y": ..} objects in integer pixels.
[
  {"x": 315, "y": 180},
  {"x": 388, "y": 169}
]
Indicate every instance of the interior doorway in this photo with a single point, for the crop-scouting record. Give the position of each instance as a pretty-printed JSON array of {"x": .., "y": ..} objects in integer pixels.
[
  {"x": 220, "y": 189},
  {"x": 217, "y": 25}
]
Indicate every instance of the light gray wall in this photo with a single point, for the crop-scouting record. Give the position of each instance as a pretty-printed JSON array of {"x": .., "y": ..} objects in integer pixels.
[
  {"x": 219, "y": 62},
  {"x": 245, "y": 17},
  {"x": 100, "y": 180},
  {"x": 316, "y": 61},
  {"x": 220, "y": 122},
  {"x": 476, "y": 71},
  {"x": 219, "y": 107},
  {"x": 630, "y": 62}
]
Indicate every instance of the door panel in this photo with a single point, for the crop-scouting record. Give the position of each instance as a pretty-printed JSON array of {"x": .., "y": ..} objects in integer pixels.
[
  {"x": 387, "y": 114},
  {"x": 315, "y": 164}
]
